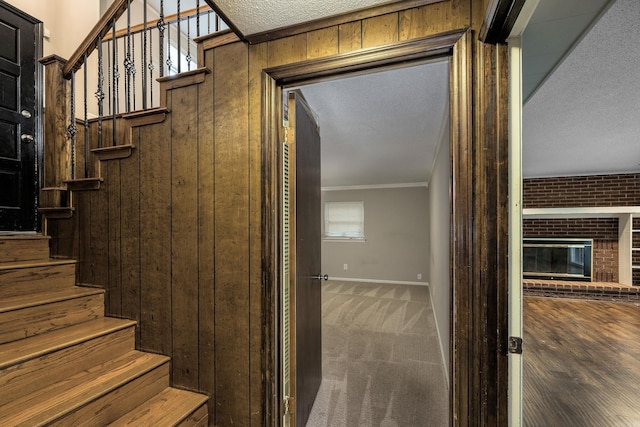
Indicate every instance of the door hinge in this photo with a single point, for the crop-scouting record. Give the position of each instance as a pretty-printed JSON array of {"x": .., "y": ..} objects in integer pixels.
[
  {"x": 288, "y": 405},
  {"x": 515, "y": 345}
]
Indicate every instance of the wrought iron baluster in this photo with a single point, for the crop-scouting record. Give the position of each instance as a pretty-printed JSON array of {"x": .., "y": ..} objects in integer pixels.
[
  {"x": 179, "y": 59},
  {"x": 127, "y": 65},
  {"x": 72, "y": 129},
  {"x": 116, "y": 82},
  {"x": 144, "y": 56},
  {"x": 151, "y": 67},
  {"x": 100, "y": 93},
  {"x": 197, "y": 18},
  {"x": 188, "y": 57},
  {"x": 109, "y": 50},
  {"x": 132, "y": 71},
  {"x": 217, "y": 23},
  {"x": 86, "y": 121},
  {"x": 169, "y": 62},
  {"x": 209, "y": 22},
  {"x": 161, "y": 27}
]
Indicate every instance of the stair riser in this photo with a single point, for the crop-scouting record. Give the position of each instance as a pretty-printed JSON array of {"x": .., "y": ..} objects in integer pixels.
[
  {"x": 29, "y": 376},
  {"x": 23, "y": 281},
  {"x": 32, "y": 321},
  {"x": 12, "y": 250},
  {"x": 118, "y": 402},
  {"x": 200, "y": 418}
]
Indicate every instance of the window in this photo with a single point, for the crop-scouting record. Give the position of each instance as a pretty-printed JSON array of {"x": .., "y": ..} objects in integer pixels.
[{"x": 344, "y": 220}]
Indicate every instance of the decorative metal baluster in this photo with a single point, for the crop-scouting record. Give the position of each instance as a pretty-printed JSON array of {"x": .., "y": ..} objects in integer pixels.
[
  {"x": 72, "y": 129},
  {"x": 144, "y": 56},
  {"x": 197, "y": 18},
  {"x": 109, "y": 76},
  {"x": 116, "y": 82},
  {"x": 188, "y": 57},
  {"x": 161, "y": 27},
  {"x": 209, "y": 22},
  {"x": 178, "y": 37},
  {"x": 169, "y": 62},
  {"x": 127, "y": 65},
  {"x": 132, "y": 71},
  {"x": 100, "y": 93},
  {"x": 217, "y": 23},
  {"x": 86, "y": 121},
  {"x": 151, "y": 67}
]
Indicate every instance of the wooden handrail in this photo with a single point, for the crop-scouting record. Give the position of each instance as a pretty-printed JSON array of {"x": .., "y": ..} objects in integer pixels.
[
  {"x": 152, "y": 23},
  {"x": 93, "y": 38}
]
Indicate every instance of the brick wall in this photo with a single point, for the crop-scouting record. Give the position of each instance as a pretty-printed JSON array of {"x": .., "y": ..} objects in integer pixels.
[{"x": 583, "y": 191}]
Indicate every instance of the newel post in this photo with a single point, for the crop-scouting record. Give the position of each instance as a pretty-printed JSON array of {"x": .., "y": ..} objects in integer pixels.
[{"x": 57, "y": 144}]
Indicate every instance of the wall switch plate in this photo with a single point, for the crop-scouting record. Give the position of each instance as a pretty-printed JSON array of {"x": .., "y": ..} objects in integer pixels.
[
  {"x": 345, "y": 266},
  {"x": 419, "y": 276}
]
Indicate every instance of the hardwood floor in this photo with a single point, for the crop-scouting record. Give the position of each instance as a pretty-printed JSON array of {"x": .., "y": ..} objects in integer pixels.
[{"x": 582, "y": 363}]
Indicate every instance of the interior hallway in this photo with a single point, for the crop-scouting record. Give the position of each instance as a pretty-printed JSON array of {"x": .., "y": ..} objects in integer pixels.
[{"x": 381, "y": 358}]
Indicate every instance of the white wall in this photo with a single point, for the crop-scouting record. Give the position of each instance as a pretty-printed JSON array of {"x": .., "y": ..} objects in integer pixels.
[
  {"x": 440, "y": 232},
  {"x": 67, "y": 22},
  {"x": 396, "y": 232}
]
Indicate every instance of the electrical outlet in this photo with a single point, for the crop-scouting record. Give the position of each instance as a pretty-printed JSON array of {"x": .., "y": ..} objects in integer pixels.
[
  {"x": 419, "y": 276},
  {"x": 345, "y": 266}
]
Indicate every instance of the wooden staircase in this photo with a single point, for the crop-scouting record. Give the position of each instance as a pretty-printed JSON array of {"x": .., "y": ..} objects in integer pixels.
[{"x": 62, "y": 362}]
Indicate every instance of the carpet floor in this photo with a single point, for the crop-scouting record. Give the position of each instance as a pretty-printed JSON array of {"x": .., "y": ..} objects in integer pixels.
[{"x": 381, "y": 358}]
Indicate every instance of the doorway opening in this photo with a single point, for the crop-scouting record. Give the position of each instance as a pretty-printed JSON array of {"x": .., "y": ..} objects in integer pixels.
[{"x": 455, "y": 48}]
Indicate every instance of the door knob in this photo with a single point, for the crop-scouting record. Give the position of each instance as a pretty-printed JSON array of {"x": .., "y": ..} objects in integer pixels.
[
  {"x": 26, "y": 114},
  {"x": 321, "y": 277},
  {"x": 25, "y": 137}
]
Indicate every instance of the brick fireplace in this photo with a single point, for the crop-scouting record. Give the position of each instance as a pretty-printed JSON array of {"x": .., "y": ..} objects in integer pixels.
[{"x": 583, "y": 191}]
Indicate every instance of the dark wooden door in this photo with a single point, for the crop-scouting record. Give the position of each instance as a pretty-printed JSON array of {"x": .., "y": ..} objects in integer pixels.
[
  {"x": 307, "y": 249},
  {"x": 19, "y": 48}
]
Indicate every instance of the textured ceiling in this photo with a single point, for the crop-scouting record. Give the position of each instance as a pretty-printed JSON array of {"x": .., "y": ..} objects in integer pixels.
[
  {"x": 253, "y": 17},
  {"x": 383, "y": 127},
  {"x": 585, "y": 118}
]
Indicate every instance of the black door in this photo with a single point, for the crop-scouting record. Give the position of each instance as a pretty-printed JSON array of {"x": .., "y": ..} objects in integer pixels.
[
  {"x": 307, "y": 247},
  {"x": 20, "y": 47}
]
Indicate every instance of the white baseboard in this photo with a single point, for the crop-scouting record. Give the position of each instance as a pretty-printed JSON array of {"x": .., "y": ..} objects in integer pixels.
[{"x": 391, "y": 282}]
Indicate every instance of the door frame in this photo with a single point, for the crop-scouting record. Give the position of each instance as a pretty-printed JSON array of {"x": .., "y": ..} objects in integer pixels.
[
  {"x": 38, "y": 110},
  {"x": 466, "y": 305}
]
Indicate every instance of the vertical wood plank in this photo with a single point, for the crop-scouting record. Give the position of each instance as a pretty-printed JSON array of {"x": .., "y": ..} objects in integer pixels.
[
  {"x": 130, "y": 236},
  {"x": 350, "y": 36},
  {"x": 287, "y": 50},
  {"x": 257, "y": 62},
  {"x": 184, "y": 236},
  {"x": 380, "y": 30},
  {"x": 232, "y": 235},
  {"x": 434, "y": 18},
  {"x": 82, "y": 202},
  {"x": 155, "y": 232},
  {"x": 98, "y": 256},
  {"x": 322, "y": 42},
  {"x": 114, "y": 292},
  {"x": 206, "y": 237}
]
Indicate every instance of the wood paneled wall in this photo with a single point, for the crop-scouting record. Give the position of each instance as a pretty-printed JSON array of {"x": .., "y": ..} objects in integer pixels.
[{"x": 174, "y": 234}]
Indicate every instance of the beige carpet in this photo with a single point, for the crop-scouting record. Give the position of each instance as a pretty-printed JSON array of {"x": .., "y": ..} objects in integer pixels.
[{"x": 381, "y": 359}]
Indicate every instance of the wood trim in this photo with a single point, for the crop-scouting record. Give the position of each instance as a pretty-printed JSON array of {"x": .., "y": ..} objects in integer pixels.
[
  {"x": 84, "y": 184},
  {"x": 113, "y": 153},
  {"x": 140, "y": 27},
  {"x": 102, "y": 27},
  {"x": 412, "y": 50},
  {"x": 213, "y": 40},
  {"x": 469, "y": 303},
  {"x": 390, "y": 7},
  {"x": 499, "y": 19},
  {"x": 146, "y": 117}
]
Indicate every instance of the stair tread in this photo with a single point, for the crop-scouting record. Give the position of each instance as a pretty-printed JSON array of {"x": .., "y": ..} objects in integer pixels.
[
  {"x": 51, "y": 402},
  {"x": 19, "y": 351},
  {"x": 11, "y": 265},
  {"x": 31, "y": 300},
  {"x": 167, "y": 408}
]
